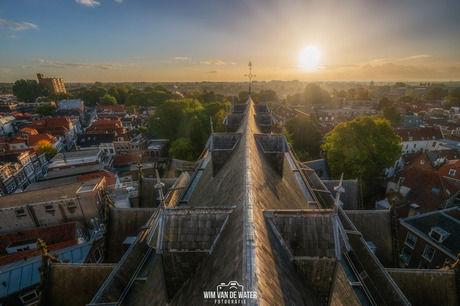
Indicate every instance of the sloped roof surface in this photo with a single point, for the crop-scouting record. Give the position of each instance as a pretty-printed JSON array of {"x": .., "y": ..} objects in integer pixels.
[{"x": 262, "y": 254}]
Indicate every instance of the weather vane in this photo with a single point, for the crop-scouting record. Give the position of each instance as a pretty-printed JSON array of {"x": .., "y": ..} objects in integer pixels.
[{"x": 250, "y": 76}]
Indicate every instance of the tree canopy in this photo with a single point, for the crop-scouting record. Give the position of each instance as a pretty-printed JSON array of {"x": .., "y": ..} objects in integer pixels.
[
  {"x": 107, "y": 100},
  {"x": 46, "y": 147},
  {"x": 454, "y": 96},
  {"x": 93, "y": 95},
  {"x": 384, "y": 102},
  {"x": 305, "y": 136},
  {"x": 362, "y": 148},
  {"x": 188, "y": 119},
  {"x": 45, "y": 109},
  {"x": 29, "y": 90},
  {"x": 393, "y": 115},
  {"x": 312, "y": 95}
]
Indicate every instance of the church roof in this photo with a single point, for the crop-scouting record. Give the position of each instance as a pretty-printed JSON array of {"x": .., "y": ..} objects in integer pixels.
[{"x": 250, "y": 215}]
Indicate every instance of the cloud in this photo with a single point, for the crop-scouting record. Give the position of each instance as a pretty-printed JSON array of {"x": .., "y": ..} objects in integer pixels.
[
  {"x": 213, "y": 72},
  {"x": 12, "y": 36},
  {"x": 5, "y": 70},
  {"x": 382, "y": 61},
  {"x": 119, "y": 1},
  {"x": 180, "y": 58},
  {"x": 90, "y": 3},
  {"x": 17, "y": 26},
  {"x": 52, "y": 64},
  {"x": 217, "y": 63}
]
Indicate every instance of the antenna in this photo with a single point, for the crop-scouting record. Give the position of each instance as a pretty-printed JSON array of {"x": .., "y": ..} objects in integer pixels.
[{"x": 250, "y": 76}]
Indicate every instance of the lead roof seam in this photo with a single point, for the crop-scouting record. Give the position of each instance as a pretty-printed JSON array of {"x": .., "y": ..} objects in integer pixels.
[{"x": 249, "y": 207}]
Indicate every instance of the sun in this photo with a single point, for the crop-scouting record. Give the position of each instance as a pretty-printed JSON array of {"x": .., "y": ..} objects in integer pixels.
[{"x": 309, "y": 58}]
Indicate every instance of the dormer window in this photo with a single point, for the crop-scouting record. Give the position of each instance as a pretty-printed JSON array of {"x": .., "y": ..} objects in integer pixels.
[
  {"x": 452, "y": 172},
  {"x": 411, "y": 138},
  {"x": 438, "y": 234}
]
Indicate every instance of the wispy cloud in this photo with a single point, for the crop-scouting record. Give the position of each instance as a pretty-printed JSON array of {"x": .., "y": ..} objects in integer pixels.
[
  {"x": 395, "y": 60},
  {"x": 213, "y": 72},
  {"x": 12, "y": 36},
  {"x": 119, "y": 1},
  {"x": 52, "y": 64},
  {"x": 17, "y": 26},
  {"x": 90, "y": 3},
  {"x": 217, "y": 63},
  {"x": 181, "y": 58}
]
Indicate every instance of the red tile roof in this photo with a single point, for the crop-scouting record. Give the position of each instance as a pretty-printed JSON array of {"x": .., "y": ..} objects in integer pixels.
[
  {"x": 56, "y": 237},
  {"x": 109, "y": 177},
  {"x": 454, "y": 165},
  {"x": 418, "y": 134},
  {"x": 29, "y": 130},
  {"x": 429, "y": 189},
  {"x": 35, "y": 139}
]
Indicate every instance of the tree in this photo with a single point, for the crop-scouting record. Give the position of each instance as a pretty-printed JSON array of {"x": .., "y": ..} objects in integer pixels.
[
  {"x": 436, "y": 93},
  {"x": 267, "y": 95},
  {"x": 107, "y": 100},
  {"x": 406, "y": 98},
  {"x": 393, "y": 115},
  {"x": 46, "y": 147},
  {"x": 59, "y": 96},
  {"x": 454, "y": 96},
  {"x": 93, "y": 95},
  {"x": 362, "y": 148},
  {"x": 45, "y": 109},
  {"x": 314, "y": 94},
  {"x": 362, "y": 94},
  {"x": 28, "y": 90},
  {"x": 384, "y": 102},
  {"x": 120, "y": 93},
  {"x": 305, "y": 135},
  {"x": 182, "y": 148},
  {"x": 170, "y": 119}
]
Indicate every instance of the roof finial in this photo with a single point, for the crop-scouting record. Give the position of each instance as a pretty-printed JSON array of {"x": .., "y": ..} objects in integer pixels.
[{"x": 250, "y": 76}]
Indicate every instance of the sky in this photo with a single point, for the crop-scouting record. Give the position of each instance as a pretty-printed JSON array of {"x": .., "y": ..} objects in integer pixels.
[{"x": 213, "y": 40}]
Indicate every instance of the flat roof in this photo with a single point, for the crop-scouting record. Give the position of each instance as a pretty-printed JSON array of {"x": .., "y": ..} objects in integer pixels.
[{"x": 51, "y": 194}]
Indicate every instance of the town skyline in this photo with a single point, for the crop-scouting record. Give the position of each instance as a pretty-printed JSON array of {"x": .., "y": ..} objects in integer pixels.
[{"x": 129, "y": 41}]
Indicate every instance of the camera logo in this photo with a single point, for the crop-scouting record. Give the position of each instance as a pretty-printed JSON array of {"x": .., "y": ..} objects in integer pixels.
[{"x": 231, "y": 286}]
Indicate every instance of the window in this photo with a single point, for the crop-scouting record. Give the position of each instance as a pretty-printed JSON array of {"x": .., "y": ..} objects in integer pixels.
[
  {"x": 452, "y": 172},
  {"x": 411, "y": 138},
  {"x": 411, "y": 239},
  {"x": 415, "y": 145},
  {"x": 423, "y": 265},
  {"x": 428, "y": 253},
  {"x": 405, "y": 257},
  {"x": 49, "y": 207},
  {"x": 20, "y": 212},
  {"x": 29, "y": 298},
  {"x": 434, "y": 144},
  {"x": 438, "y": 234}
]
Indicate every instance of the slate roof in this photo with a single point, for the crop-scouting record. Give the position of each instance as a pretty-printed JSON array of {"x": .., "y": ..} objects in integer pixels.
[
  {"x": 273, "y": 232},
  {"x": 89, "y": 140},
  {"x": 444, "y": 219}
]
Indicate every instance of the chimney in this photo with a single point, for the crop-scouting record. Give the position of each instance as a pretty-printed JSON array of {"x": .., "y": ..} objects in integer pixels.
[{"x": 413, "y": 210}]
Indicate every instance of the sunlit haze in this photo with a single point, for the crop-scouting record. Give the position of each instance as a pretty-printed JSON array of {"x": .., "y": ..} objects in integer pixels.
[
  {"x": 309, "y": 58},
  {"x": 183, "y": 40}
]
